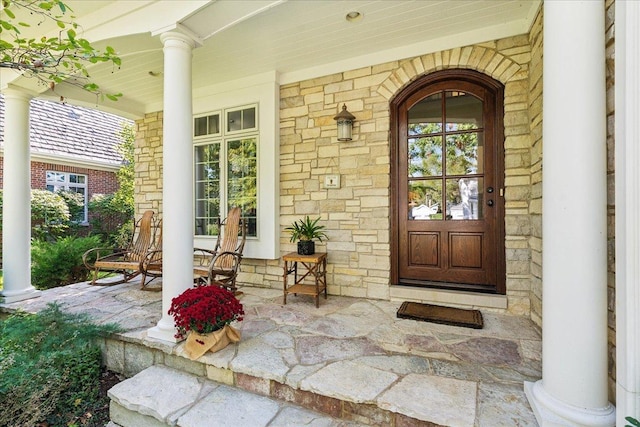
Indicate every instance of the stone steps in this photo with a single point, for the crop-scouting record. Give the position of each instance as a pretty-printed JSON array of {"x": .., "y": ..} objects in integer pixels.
[{"x": 161, "y": 396}]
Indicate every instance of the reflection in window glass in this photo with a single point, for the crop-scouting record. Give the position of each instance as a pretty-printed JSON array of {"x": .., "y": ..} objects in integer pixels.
[
  {"x": 200, "y": 126},
  {"x": 242, "y": 178},
  {"x": 249, "y": 118},
  {"x": 463, "y": 111},
  {"x": 464, "y": 153},
  {"x": 234, "y": 119},
  {"x": 425, "y": 117},
  {"x": 425, "y": 199},
  {"x": 425, "y": 156},
  {"x": 464, "y": 198},
  {"x": 207, "y": 188}
]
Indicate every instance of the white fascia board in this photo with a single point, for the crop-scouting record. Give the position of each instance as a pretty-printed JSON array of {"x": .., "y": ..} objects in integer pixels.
[{"x": 75, "y": 162}]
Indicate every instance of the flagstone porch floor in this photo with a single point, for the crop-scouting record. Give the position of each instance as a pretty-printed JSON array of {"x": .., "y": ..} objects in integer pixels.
[{"x": 351, "y": 359}]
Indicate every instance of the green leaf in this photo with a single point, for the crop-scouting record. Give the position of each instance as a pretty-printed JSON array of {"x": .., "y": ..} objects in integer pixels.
[
  {"x": 117, "y": 61},
  {"x": 62, "y": 7},
  {"x": 60, "y": 24},
  {"x": 110, "y": 50},
  {"x": 45, "y": 5},
  {"x": 114, "y": 97},
  {"x": 9, "y": 13},
  {"x": 5, "y": 45},
  {"x": 23, "y": 24},
  {"x": 71, "y": 34}
]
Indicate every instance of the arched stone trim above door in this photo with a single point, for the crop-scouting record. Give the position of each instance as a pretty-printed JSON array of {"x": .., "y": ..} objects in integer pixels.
[{"x": 485, "y": 60}]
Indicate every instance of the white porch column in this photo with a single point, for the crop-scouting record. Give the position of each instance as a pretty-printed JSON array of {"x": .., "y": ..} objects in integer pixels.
[
  {"x": 573, "y": 389},
  {"x": 177, "y": 182},
  {"x": 16, "y": 212},
  {"x": 627, "y": 95}
]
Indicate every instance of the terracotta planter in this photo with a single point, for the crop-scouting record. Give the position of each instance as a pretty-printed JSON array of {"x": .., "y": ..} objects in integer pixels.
[{"x": 198, "y": 344}]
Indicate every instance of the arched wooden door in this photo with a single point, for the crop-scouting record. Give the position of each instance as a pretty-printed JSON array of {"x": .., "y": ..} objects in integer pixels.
[{"x": 447, "y": 183}]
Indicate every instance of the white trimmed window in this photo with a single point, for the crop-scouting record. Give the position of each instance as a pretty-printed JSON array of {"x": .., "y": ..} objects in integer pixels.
[
  {"x": 58, "y": 181},
  {"x": 226, "y": 167}
]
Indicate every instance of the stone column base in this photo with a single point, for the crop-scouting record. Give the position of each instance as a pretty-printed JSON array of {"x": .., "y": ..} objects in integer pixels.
[{"x": 7, "y": 297}]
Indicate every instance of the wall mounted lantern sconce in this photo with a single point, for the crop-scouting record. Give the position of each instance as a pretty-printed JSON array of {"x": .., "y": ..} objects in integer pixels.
[{"x": 345, "y": 124}]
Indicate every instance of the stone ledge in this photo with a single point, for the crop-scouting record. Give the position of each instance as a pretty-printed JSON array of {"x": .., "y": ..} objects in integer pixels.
[{"x": 457, "y": 298}]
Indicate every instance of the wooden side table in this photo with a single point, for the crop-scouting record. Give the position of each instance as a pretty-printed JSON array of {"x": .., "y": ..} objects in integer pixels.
[{"x": 316, "y": 271}]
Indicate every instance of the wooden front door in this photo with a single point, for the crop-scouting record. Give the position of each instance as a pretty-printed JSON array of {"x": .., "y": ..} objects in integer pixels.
[{"x": 448, "y": 209}]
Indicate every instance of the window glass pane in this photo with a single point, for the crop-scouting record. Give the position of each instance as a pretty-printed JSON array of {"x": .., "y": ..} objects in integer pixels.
[
  {"x": 200, "y": 126},
  {"x": 242, "y": 176},
  {"x": 249, "y": 118},
  {"x": 425, "y": 199},
  {"x": 207, "y": 189},
  {"x": 463, "y": 111},
  {"x": 234, "y": 120},
  {"x": 425, "y": 156},
  {"x": 214, "y": 124},
  {"x": 463, "y": 198},
  {"x": 80, "y": 179},
  {"x": 425, "y": 117},
  {"x": 465, "y": 153}
]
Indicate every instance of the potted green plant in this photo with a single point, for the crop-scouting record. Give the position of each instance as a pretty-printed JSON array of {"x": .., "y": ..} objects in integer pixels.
[{"x": 305, "y": 231}]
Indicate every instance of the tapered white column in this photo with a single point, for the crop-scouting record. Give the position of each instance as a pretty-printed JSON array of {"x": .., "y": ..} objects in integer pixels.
[
  {"x": 627, "y": 96},
  {"x": 177, "y": 181},
  {"x": 16, "y": 212},
  {"x": 573, "y": 389}
]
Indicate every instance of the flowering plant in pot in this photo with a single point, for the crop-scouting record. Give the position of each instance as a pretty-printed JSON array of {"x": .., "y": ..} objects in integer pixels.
[
  {"x": 305, "y": 231},
  {"x": 204, "y": 315}
]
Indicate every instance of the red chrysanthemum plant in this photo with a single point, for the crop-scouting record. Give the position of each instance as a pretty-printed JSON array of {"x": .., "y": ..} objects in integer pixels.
[{"x": 204, "y": 309}]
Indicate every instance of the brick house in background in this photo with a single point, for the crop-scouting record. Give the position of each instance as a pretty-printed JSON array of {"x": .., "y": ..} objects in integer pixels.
[{"x": 72, "y": 148}]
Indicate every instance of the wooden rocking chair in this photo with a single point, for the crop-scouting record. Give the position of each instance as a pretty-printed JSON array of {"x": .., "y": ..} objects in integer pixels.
[
  {"x": 220, "y": 267},
  {"x": 125, "y": 261}
]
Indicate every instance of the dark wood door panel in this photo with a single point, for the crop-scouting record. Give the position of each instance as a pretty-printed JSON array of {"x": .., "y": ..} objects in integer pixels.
[
  {"x": 424, "y": 249},
  {"x": 465, "y": 250}
]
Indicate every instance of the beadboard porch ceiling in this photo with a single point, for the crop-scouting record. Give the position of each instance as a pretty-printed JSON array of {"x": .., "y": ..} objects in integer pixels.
[{"x": 296, "y": 39}]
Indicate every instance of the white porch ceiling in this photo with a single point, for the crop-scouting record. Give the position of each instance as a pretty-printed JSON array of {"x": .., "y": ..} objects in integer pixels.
[{"x": 297, "y": 39}]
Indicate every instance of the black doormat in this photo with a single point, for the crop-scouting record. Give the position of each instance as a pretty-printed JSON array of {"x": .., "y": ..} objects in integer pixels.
[{"x": 439, "y": 314}]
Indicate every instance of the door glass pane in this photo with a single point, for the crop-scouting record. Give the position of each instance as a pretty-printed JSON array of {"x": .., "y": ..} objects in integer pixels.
[
  {"x": 425, "y": 156},
  {"x": 465, "y": 153},
  {"x": 463, "y": 111},
  {"x": 425, "y": 199},
  {"x": 425, "y": 117},
  {"x": 464, "y": 198}
]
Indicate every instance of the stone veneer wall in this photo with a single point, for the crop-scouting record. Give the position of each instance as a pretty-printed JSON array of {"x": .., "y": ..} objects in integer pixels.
[
  {"x": 148, "y": 163},
  {"x": 611, "y": 245},
  {"x": 357, "y": 214},
  {"x": 535, "y": 204}
]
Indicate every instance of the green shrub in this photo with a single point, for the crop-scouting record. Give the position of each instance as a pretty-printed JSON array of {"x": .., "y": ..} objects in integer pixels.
[
  {"x": 59, "y": 263},
  {"x": 110, "y": 220},
  {"x": 75, "y": 204},
  {"x": 49, "y": 215},
  {"x": 49, "y": 367}
]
